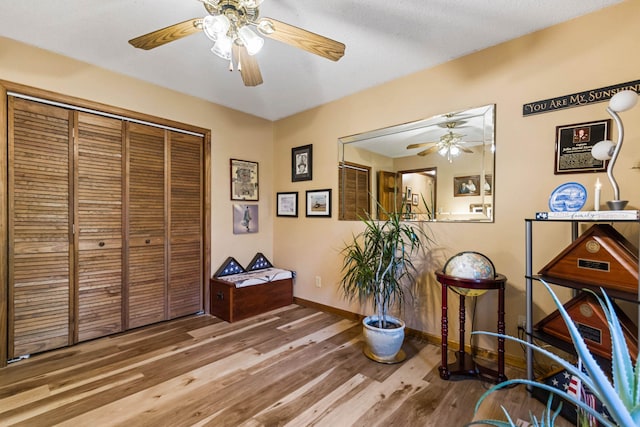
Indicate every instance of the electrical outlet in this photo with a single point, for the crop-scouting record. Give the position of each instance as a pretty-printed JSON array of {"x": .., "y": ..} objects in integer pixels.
[
  {"x": 318, "y": 282},
  {"x": 522, "y": 322}
]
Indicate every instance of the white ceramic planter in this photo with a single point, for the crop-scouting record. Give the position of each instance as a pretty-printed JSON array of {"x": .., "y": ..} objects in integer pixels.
[{"x": 383, "y": 345}]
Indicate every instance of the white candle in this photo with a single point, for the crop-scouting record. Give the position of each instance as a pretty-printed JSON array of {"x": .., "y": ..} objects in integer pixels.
[{"x": 596, "y": 203}]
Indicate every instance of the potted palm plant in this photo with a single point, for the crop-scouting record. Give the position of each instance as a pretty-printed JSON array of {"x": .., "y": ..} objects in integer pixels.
[{"x": 378, "y": 268}]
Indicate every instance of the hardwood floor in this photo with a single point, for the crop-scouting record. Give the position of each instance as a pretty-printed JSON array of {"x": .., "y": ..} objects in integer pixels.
[{"x": 295, "y": 366}]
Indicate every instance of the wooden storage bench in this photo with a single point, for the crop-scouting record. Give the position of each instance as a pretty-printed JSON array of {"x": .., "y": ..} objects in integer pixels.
[{"x": 239, "y": 296}]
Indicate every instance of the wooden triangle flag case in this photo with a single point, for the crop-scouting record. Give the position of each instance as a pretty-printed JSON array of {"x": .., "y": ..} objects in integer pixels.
[{"x": 600, "y": 257}]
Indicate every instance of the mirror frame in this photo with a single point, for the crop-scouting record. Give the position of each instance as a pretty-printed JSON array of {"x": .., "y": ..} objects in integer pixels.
[{"x": 478, "y": 123}]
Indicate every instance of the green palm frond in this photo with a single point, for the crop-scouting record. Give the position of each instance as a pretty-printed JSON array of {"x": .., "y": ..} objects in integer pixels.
[{"x": 380, "y": 259}]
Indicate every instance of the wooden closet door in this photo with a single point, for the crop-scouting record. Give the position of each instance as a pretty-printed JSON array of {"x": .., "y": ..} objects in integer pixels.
[
  {"x": 99, "y": 228},
  {"x": 389, "y": 194},
  {"x": 146, "y": 272},
  {"x": 40, "y": 252},
  {"x": 186, "y": 246}
]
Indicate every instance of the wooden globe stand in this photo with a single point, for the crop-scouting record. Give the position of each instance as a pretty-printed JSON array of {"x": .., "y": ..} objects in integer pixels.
[{"x": 464, "y": 364}]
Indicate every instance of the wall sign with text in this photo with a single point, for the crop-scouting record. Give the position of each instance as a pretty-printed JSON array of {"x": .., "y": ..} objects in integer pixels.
[{"x": 578, "y": 99}]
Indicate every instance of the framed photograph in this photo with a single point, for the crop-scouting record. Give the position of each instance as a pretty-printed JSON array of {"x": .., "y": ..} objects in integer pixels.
[
  {"x": 319, "y": 203},
  {"x": 466, "y": 185},
  {"x": 414, "y": 200},
  {"x": 245, "y": 219},
  {"x": 302, "y": 163},
  {"x": 573, "y": 147},
  {"x": 244, "y": 180},
  {"x": 488, "y": 184},
  {"x": 287, "y": 204}
]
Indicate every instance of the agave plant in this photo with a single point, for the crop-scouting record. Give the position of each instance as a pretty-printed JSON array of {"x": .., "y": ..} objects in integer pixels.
[
  {"x": 620, "y": 396},
  {"x": 547, "y": 419}
]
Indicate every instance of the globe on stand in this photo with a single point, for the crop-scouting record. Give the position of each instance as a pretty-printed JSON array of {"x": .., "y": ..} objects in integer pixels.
[{"x": 469, "y": 265}]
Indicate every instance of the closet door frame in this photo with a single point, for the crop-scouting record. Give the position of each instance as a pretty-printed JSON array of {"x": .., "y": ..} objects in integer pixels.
[{"x": 7, "y": 88}]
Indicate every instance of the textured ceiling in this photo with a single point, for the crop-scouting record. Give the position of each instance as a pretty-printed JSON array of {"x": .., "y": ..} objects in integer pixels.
[{"x": 385, "y": 40}]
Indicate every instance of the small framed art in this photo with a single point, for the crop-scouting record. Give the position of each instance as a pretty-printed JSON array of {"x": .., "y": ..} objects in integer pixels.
[
  {"x": 466, "y": 185},
  {"x": 244, "y": 180},
  {"x": 319, "y": 203},
  {"x": 488, "y": 184},
  {"x": 245, "y": 219},
  {"x": 287, "y": 204},
  {"x": 302, "y": 163},
  {"x": 573, "y": 147}
]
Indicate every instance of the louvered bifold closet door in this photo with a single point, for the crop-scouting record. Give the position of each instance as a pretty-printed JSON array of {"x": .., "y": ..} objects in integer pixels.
[
  {"x": 355, "y": 201},
  {"x": 146, "y": 271},
  {"x": 40, "y": 257},
  {"x": 185, "y": 255},
  {"x": 99, "y": 225}
]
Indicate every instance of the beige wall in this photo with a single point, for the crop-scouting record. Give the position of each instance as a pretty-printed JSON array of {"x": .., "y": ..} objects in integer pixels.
[
  {"x": 233, "y": 134},
  {"x": 593, "y": 51},
  {"x": 590, "y": 52}
]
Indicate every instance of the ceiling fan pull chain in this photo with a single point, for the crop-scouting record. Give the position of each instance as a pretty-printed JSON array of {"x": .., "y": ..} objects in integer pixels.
[
  {"x": 231, "y": 65},
  {"x": 239, "y": 65}
]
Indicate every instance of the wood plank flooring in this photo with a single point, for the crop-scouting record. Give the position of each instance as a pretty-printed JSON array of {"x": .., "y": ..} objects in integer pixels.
[{"x": 294, "y": 366}]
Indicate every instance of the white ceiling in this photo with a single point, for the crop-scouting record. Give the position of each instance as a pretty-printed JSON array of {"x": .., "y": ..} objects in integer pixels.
[{"x": 385, "y": 40}]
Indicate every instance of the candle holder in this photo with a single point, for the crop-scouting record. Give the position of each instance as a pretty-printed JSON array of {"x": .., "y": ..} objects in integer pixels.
[{"x": 607, "y": 150}]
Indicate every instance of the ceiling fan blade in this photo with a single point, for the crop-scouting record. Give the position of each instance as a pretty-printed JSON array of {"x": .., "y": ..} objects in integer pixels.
[
  {"x": 303, "y": 39},
  {"x": 167, "y": 34},
  {"x": 453, "y": 124},
  {"x": 248, "y": 66},
  {"x": 421, "y": 144},
  {"x": 465, "y": 150},
  {"x": 428, "y": 151}
]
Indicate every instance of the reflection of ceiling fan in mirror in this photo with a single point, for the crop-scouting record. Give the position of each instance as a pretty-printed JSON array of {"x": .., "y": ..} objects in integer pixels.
[
  {"x": 449, "y": 144},
  {"x": 229, "y": 24},
  {"x": 453, "y": 124}
]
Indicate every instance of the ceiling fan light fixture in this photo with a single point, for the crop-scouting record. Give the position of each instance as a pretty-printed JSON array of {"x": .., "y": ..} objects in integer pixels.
[
  {"x": 251, "y": 40},
  {"x": 214, "y": 26},
  {"x": 222, "y": 47},
  {"x": 449, "y": 150},
  {"x": 252, "y": 4}
]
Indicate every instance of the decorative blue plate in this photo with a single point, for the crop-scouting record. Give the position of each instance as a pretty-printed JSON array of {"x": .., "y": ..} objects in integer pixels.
[{"x": 569, "y": 197}]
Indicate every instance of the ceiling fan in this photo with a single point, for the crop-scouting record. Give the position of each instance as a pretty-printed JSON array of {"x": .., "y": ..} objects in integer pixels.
[
  {"x": 228, "y": 24},
  {"x": 448, "y": 146}
]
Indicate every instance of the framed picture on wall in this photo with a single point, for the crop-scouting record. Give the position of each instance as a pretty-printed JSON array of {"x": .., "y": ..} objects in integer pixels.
[
  {"x": 468, "y": 185},
  {"x": 488, "y": 184},
  {"x": 245, "y": 219},
  {"x": 244, "y": 180},
  {"x": 319, "y": 203},
  {"x": 287, "y": 204},
  {"x": 302, "y": 163},
  {"x": 573, "y": 147}
]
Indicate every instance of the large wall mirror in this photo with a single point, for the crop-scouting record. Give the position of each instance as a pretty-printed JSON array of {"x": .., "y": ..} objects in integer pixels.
[{"x": 436, "y": 169}]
